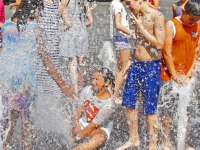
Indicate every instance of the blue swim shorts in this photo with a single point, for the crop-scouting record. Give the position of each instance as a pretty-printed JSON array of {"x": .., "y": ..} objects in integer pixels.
[
  {"x": 121, "y": 42},
  {"x": 144, "y": 77}
]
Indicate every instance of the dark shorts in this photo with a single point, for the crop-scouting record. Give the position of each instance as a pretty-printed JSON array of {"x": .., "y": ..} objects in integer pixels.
[
  {"x": 121, "y": 42},
  {"x": 143, "y": 77}
]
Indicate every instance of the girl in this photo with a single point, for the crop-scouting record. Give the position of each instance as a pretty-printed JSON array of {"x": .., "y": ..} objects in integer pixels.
[
  {"x": 74, "y": 42},
  {"x": 94, "y": 117},
  {"x": 119, "y": 31},
  {"x": 178, "y": 7}
]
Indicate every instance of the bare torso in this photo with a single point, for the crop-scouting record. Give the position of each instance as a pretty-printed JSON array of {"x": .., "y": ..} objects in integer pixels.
[{"x": 145, "y": 51}]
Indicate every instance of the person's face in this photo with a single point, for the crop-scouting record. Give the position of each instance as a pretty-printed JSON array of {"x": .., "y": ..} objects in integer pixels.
[
  {"x": 98, "y": 82},
  {"x": 133, "y": 5},
  {"x": 189, "y": 19}
]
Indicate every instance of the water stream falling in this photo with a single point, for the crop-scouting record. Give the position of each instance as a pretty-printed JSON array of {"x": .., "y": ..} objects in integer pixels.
[{"x": 52, "y": 111}]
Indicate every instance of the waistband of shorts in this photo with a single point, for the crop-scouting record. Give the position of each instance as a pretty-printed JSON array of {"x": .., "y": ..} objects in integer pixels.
[{"x": 147, "y": 62}]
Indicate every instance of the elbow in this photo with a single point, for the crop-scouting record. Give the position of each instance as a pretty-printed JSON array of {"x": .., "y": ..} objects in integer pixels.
[
  {"x": 117, "y": 26},
  {"x": 159, "y": 46}
]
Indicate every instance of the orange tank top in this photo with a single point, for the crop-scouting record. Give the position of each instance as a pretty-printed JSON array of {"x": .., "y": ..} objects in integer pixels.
[{"x": 184, "y": 44}]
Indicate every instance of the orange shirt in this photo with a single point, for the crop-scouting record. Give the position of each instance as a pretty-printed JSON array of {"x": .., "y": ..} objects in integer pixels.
[{"x": 184, "y": 44}]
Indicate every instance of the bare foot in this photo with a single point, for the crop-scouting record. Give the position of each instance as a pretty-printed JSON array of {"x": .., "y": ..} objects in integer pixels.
[
  {"x": 129, "y": 144},
  {"x": 167, "y": 146},
  {"x": 118, "y": 101},
  {"x": 152, "y": 148},
  {"x": 189, "y": 148}
]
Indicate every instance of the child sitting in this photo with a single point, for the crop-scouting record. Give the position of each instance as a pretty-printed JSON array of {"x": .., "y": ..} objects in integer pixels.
[{"x": 94, "y": 117}]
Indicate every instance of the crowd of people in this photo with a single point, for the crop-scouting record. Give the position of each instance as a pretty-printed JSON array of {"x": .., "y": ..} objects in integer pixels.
[{"x": 43, "y": 36}]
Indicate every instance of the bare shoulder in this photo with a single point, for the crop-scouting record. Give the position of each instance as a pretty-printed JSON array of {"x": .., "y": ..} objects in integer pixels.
[
  {"x": 169, "y": 27},
  {"x": 174, "y": 6},
  {"x": 157, "y": 16}
]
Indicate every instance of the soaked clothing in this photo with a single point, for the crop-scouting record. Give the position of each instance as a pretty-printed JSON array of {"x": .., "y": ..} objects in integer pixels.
[
  {"x": 119, "y": 39},
  {"x": 184, "y": 44},
  {"x": 48, "y": 112},
  {"x": 143, "y": 77},
  {"x": 74, "y": 41},
  {"x": 178, "y": 10},
  {"x": 100, "y": 112},
  {"x": 17, "y": 72}
]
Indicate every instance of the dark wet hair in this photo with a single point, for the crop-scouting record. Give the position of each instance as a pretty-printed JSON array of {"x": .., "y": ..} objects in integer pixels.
[
  {"x": 193, "y": 7},
  {"x": 108, "y": 76},
  {"x": 26, "y": 9}
]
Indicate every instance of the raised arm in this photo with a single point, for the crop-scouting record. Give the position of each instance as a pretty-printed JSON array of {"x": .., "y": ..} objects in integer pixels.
[
  {"x": 89, "y": 16},
  {"x": 159, "y": 30},
  {"x": 68, "y": 91},
  {"x": 173, "y": 9},
  {"x": 17, "y": 3},
  {"x": 156, "y": 3}
]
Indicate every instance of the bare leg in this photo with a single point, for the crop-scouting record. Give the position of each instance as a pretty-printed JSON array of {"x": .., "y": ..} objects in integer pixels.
[
  {"x": 97, "y": 137},
  {"x": 153, "y": 129},
  {"x": 73, "y": 69},
  {"x": 14, "y": 116},
  {"x": 132, "y": 118},
  {"x": 123, "y": 57},
  {"x": 166, "y": 126},
  {"x": 27, "y": 132}
]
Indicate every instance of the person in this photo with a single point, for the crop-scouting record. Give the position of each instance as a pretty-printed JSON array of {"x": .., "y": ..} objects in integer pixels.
[
  {"x": 2, "y": 20},
  {"x": 178, "y": 7},
  {"x": 95, "y": 115},
  {"x": 16, "y": 4},
  {"x": 74, "y": 40},
  {"x": 179, "y": 56},
  {"x": 156, "y": 3},
  {"x": 144, "y": 71},
  {"x": 18, "y": 73},
  {"x": 18, "y": 77},
  {"x": 119, "y": 35},
  {"x": 93, "y": 4}
]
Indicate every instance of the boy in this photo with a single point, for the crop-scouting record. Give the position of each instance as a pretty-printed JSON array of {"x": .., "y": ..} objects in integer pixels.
[
  {"x": 180, "y": 54},
  {"x": 144, "y": 72}
]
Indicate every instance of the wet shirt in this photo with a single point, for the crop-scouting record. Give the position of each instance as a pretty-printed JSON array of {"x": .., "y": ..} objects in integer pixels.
[
  {"x": 115, "y": 8},
  {"x": 100, "y": 112},
  {"x": 184, "y": 44}
]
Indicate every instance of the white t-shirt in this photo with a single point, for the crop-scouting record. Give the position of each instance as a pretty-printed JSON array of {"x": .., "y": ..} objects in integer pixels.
[
  {"x": 117, "y": 7},
  {"x": 100, "y": 112}
]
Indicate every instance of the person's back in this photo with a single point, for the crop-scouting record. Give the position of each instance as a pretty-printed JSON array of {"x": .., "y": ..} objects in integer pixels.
[{"x": 18, "y": 48}]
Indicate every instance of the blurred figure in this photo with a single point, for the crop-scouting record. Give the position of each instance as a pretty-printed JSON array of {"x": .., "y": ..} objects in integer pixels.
[{"x": 178, "y": 7}]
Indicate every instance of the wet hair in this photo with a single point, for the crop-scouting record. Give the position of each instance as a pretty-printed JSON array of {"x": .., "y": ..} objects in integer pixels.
[
  {"x": 26, "y": 9},
  {"x": 108, "y": 76},
  {"x": 193, "y": 7}
]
